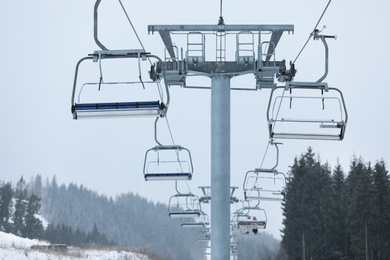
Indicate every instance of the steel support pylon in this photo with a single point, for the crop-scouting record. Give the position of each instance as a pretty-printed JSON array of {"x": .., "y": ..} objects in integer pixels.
[{"x": 220, "y": 167}]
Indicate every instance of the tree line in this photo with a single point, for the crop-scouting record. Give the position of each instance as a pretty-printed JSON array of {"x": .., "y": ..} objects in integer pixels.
[
  {"x": 64, "y": 234},
  {"x": 327, "y": 214},
  {"x": 18, "y": 211},
  {"x": 129, "y": 220},
  {"x": 19, "y": 215},
  {"x": 77, "y": 216},
  {"x": 332, "y": 215}
]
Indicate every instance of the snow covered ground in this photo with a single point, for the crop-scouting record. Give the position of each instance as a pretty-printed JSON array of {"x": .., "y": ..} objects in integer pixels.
[{"x": 16, "y": 248}]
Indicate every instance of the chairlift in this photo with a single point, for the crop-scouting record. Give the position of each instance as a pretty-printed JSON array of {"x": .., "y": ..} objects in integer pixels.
[
  {"x": 84, "y": 107},
  {"x": 233, "y": 249},
  {"x": 307, "y": 110},
  {"x": 235, "y": 216},
  {"x": 201, "y": 221},
  {"x": 233, "y": 245},
  {"x": 205, "y": 250},
  {"x": 203, "y": 237},
  {"x": 168, "y": 162},
  {"x": 264, "y": 185},
  {"x": 184, "y": 205},
  {"x": 206, "y": 198},
  {"x": 311, "y": 110},
  {"x": 249, "y": 218}
]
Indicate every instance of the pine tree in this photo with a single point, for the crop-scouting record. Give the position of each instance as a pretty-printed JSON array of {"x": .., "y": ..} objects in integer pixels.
[
  {"x": 21, "y": 203},
  {"x": 80, "y": 237},
  {"x": 359, "y": 188},
  {"x": 50, "y": 197},
  {"x": 37, "y": 186},
  {"x": 50, "y": 233},
  {"x": 338, "y": 215},
  {"x": 381, "y": 211},
  {"x": 293, "y": 230},
  {"x": 97, "y": 238},
  {"x": 34, "y": 227},
  {"x": 307, "y": 226},
  {"x": 6, "y": 207},
  {"x": 321, "y": 231}
]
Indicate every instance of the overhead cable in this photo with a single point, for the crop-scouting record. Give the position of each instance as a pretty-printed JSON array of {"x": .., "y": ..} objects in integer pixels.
[
  {"x": 132, "y": 26},
  {"x": 311, "y": 34}
]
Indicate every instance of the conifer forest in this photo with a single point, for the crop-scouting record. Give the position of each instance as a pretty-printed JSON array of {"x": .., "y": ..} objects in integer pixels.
[{"x": 328, "y": 213}]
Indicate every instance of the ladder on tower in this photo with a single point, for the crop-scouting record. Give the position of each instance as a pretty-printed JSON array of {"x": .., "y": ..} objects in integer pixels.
[
  {"x": 195, "y": 47},
  {"x": 245, "y": 45},
  {"x": 268, "y": 68}
]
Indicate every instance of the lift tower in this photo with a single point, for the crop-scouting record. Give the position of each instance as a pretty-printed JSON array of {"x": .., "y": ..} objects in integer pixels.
[{"x": 254, "y": 54}]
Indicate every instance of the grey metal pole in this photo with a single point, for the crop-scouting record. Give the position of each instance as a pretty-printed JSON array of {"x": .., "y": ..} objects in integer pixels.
[{"x": 220, "y": 167}]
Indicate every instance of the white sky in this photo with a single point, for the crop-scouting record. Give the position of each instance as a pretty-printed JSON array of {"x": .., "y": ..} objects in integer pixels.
[{"x": 41, "y": 41}]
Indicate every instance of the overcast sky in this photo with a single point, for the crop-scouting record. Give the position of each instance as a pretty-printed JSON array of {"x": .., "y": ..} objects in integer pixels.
[{"x": 41, "y": 42}]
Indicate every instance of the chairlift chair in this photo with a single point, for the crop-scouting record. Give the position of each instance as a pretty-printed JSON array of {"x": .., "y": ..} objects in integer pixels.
[
  {"x": 168, "y": 162},
  {"x": 184, "y": 206},
  {"x": 206, "y": 198},
  {"x": 196, "y": 222},
  {"x": 233, "y": 249},
  {"x": 264, "y": 185},
  {"x": 307, "y": 110},
  {"x": 252, "y": 218},
  {"x": 234, "y": 219},
  {"x": 203, "y": 237},
  {"x": 114, "y": 108}
]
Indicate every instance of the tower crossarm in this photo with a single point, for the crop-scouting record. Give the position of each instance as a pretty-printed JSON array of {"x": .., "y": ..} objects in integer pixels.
[
  {"x": 222, "y": 28},
  {"x": 254, "y": 53}
]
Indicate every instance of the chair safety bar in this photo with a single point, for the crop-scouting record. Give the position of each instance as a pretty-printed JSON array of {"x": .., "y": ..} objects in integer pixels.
[
  {"x": 184, "y": 214},
  {"x": 197, "y": 222},
  {"x": 193, "y": 224},
  {"x": 118, "y": 109},
  {"x": 267, "y": 195},
  {"x": 252, "y": 224},
  {"x": 167, "y": 176}
]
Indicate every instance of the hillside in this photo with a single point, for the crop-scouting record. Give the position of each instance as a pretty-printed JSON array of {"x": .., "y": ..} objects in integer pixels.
[
  {"x": 128, "y": 220},
  {"x": 78, "y": 217},
  {"x": 17, "y": 248}
]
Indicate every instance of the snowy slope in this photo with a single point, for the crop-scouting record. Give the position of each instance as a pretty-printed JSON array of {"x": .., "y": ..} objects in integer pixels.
[{"x": 16, "y": 248}]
